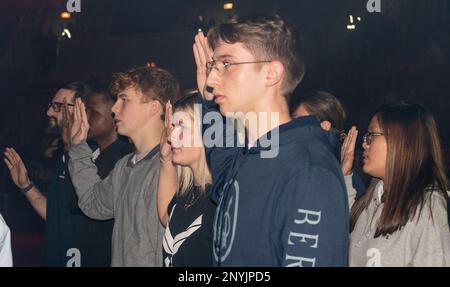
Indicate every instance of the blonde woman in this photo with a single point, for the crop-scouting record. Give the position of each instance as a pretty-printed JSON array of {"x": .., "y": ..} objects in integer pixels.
[{"x": 183, "y": 203}]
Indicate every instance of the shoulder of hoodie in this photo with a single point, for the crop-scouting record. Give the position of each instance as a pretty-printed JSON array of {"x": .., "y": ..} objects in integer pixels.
[{"x": 308, "y": 146}]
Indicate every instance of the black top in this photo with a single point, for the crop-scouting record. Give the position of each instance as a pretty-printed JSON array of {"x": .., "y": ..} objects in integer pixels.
[
  {"x": 188, "y": 237},
  {"x": 108, "y": 158},
  {"x": 70, "y": 235}
]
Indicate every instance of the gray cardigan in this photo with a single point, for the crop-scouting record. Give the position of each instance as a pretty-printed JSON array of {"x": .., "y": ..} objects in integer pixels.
[
  {"x": 423, "y": 241},
  {"x": 128, "y": 195}
]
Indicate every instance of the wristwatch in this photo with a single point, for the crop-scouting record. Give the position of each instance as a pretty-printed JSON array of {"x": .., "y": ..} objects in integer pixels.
[{"x": 27, "y": 188}]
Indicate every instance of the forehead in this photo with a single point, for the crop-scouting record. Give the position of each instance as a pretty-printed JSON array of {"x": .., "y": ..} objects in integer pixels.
[
  {"x": 374, "y": 125},
  {"x": 62, "y": 94},
  {"x": 96, "y": 99},
  {"x": 233, "y": 51},
  {"x": 131, "y": 93}
]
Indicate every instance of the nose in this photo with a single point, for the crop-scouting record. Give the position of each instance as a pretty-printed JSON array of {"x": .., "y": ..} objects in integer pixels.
[
  {"x": 50, "y": 112},
  {"x": 115, "y": 108},
  {"x": 176, "y": 137},
  {"x": 212, "y": 80},
  {"x": 365, "y": 145}
]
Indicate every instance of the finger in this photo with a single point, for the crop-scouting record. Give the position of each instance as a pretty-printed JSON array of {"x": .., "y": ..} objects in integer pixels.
[
  {"x": 170, "y": 115},
  {"x": 9, "y": 157},
  {"x": 201, "y": 50},
  {"x": 351, "y": 146},
  {"x": 83, "y": 113},
  {"x": 167, "y": 114},
  {"x": 208, "y": 49},
  {"x": 15, "y": 155},
  {"x": 76, "y": 114},
  {"x": 8, "y": 163},
  {"x": 196, "y": 56},
  {"x": 64, "y": 111},
  {"x": 166, "y": 120},
  {"x": 345, "y": 144},
  {"x": 169, "y": 120},
  {"x": 353, "y": 140}
]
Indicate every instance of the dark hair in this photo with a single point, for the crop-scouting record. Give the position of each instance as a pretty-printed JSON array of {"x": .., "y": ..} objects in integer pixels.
[
  {"x": 154, "y": 83},
  {"x": 267, "y": 37},
  {"x": 326, "y": 107},
  {"x": 414, "y": 166},
  {"x": 81, "y": 89},
  {"x": 102, "y": 85}
]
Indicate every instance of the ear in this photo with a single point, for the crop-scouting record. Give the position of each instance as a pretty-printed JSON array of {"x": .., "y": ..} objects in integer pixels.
[
  {"x": 275, "y": 73},
  {"x": 155, "y": 108},
  {"x": 326, "y": 125}
]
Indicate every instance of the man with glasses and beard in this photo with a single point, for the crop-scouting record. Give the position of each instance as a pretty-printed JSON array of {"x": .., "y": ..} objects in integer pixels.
[{"x": 53, "y": 207}]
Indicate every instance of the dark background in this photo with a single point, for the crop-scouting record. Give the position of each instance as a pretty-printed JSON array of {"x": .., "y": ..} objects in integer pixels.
[{"x": 401, "y": 53}]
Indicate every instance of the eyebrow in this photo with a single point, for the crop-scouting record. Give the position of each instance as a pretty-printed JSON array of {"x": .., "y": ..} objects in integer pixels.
[
  {"x": 225, "y": 56},
  {"x": 121, "y": 96}
]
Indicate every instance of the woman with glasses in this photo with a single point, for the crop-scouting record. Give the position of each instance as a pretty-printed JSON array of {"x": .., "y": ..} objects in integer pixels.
[{"x": 402, "y": 218}]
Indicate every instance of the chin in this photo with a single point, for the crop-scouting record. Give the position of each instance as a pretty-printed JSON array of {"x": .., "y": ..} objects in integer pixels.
[
  {"x": 178, "y": 160},
  {"x": 121, "y": 132},
  {"x": 367, "y": 170},
  {"x": 224, "y": 109}
]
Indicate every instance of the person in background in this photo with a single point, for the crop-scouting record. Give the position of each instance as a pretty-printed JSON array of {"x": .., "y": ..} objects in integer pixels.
[
  {"x": 401, "y": 220},
  {"x": 60, "y": 248},
  {"x": 331, "y": 115}
]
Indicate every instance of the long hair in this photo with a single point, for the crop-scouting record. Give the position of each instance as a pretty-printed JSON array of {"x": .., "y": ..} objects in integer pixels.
[
  {"x": 414, "y": 166},
  {"x": 185, "y": 176},
  {"x": 325, "y": 107}
]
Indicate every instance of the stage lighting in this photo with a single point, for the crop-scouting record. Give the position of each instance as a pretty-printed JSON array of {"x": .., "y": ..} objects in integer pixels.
[
  {"x": 228, "y": 6},
  {"x": 65, "y": 15}
]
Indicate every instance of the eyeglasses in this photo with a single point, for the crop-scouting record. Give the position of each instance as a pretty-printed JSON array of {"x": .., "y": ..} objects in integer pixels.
[
  {"x": 222, "y": 66},
  {"x": 368, "y": 137},
  {"x": 56, "y": 106}
]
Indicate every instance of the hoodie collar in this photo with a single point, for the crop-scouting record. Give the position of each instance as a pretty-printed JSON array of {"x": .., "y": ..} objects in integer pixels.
[{"x": 285, "y": 129}]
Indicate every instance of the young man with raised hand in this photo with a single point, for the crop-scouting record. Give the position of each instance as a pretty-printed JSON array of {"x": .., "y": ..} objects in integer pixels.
[
  {"x": 282, "y": 204},
  {"x": 128, "y": 194}
]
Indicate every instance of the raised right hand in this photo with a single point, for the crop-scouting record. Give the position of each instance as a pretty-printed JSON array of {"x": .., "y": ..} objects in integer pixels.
[
  {"x": 80, "y": 126},
  {"x": 17, "y": 169},
  {"x": 348, "y": 151},
  {"x": 202, "y": 55},
  {"x": 165, "y": 145},
  {"x": 67, "y": 125}
]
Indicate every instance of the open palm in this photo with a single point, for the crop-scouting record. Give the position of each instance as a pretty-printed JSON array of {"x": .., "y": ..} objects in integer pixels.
[
  {"x": 202, "y": 54},
  {"x": 165, "y": 146},
  {"x": 17, "y": 169},
  {"x": 80, "y": 126},
  {"x": 348, "y": 151}
]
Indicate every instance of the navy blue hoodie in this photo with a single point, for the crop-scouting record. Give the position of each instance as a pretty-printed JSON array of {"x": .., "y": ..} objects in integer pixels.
[{"x": 290, "y": 210}]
